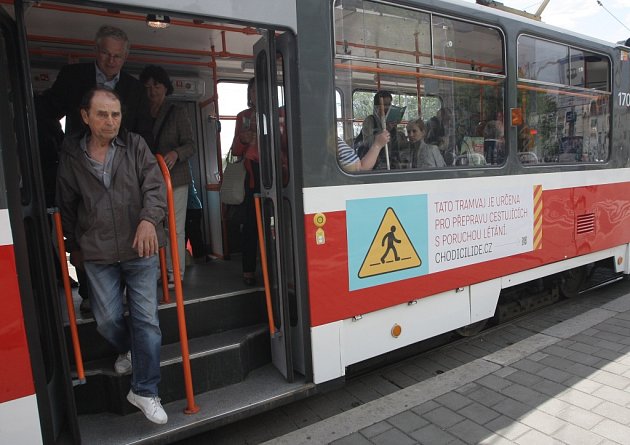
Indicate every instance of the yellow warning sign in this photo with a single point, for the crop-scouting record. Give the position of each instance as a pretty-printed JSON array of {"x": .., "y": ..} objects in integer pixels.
[{"x": 391, "y": 250}]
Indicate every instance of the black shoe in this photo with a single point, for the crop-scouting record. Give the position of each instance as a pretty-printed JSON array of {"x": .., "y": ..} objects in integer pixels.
[{"x": 85, "y": 307}]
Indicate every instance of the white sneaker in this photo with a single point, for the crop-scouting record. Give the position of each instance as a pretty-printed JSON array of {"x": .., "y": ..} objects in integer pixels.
[
  {"x": 150, "y": 407},
  {"x": 123, "y": 363}
]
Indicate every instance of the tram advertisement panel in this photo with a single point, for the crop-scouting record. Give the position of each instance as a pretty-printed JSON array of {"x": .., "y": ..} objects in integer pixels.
[{"x": 395, "y": 238}]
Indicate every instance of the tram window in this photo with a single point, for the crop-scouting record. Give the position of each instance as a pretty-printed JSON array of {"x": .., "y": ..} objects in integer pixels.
[
  {"x": 463, "y": 45},
  {"x": 460, "y": 115},
  {"x": 561, "y": 126},
  {"x": 588, "y": 70},
  {"x": 282, "y": 120},
  {"x": 387, "y": 48},
  {"x": 380, "y": 31},
  {"x": 569, "y": 123},
  {"x": 232, "y": 100},
  {"x": 338, "y": 112},
  {"x": 542, "y": 60}
]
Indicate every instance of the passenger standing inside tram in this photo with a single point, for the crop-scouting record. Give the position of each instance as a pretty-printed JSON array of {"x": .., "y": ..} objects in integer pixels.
[
  {"x": 245, "y": 144},
  {"x": 73, "y": 81},
  {"x": 194, "y": 215},
  {"x": 173, "y": 139},
  {"x": 373, "y": 125}
]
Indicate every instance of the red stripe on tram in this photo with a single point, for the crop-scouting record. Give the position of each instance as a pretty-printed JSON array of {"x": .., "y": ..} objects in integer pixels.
[{"x": 16, "y": 378}]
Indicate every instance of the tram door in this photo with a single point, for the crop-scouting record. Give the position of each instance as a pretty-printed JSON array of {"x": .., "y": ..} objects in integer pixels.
[
  {"x": 21, "y": 192},
  {"x": 275, "y": 178}
]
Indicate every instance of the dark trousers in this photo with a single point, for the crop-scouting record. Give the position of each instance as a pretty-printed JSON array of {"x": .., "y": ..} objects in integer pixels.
[
  {"x": 250, "y": 229},
  {"x": 193, "y": 232},
  {"x": 84, "y": 284}
]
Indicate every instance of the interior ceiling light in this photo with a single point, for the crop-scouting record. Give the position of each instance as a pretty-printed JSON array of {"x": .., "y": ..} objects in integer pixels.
[{"x": 158, "y": 21}]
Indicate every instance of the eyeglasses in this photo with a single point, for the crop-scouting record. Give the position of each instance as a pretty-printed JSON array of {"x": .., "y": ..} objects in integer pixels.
[{"x": 118, "y": 58}]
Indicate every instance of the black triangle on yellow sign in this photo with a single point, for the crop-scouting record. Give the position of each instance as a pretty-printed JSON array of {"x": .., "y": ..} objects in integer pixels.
[{"x": 391, "y": 250}]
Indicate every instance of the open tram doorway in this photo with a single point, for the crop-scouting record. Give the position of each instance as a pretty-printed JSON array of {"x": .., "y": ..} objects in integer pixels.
[{"x": 228, "y": 327}]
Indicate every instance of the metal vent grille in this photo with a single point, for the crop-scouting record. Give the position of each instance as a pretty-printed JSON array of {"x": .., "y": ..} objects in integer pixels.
[{"x": 586, "y": 223}]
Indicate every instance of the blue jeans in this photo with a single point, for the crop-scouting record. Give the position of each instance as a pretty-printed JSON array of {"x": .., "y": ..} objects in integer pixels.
[{"x": 142, "y": 336}]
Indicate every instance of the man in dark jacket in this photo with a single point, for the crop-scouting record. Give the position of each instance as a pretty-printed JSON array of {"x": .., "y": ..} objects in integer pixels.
[
  {"x": 112, "y": 199},
  {"x": 73, "y": 81}
]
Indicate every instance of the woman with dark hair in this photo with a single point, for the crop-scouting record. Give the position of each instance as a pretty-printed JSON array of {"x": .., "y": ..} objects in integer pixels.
[
  {"x": 173, "y": 139},
  {"x": 423, "y": 154},
  {"x": 245, "y": 144}
]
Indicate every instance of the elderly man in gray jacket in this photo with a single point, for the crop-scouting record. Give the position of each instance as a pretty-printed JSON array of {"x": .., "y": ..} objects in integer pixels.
[{"x": 113, "y": 201}]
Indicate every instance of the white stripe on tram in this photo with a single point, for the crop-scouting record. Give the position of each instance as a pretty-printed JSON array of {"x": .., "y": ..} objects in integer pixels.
[
  {"x": 5, "y": 228},
  {"x": 333, "y": 198},
  {"x": 19, "y": 421}
]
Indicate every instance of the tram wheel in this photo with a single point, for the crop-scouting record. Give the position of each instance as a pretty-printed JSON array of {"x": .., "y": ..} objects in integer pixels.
[
  {"x": 571, "y": 281},
  {"x": 471, "y": 329}
]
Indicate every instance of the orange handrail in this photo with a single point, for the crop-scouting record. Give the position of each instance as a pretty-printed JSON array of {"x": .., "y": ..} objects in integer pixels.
[
  {"x": 74, "y": 333},
  {"x": 411, "y": 74},
  {"x": 179, "y": 295},
  {"x": 551, "y": 90},
  {"x": 263, "y": 261}
]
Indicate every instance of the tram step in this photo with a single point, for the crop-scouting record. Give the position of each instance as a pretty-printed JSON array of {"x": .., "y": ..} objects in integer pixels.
[
  {"x": 204, "y": 316},
  {"x": 216, "y": 360}
]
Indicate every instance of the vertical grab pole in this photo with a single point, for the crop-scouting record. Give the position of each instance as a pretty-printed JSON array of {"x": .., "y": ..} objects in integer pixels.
[
  {"x": 263, "y": 261},
  {"x": 166, "y": 297},
  {"x": 74, "y": 333},
  {"x": 384, "y": 124},
  {"x": 179, "y": 296}
]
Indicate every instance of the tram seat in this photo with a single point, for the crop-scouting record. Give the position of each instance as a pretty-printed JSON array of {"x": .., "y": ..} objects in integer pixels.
[
  {"x": 528, "y": 157},
  {"x": 470, "y": 159}
]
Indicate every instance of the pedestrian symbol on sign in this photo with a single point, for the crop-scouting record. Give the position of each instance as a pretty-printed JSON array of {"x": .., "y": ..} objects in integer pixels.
[{"x": 391, "y": 249}]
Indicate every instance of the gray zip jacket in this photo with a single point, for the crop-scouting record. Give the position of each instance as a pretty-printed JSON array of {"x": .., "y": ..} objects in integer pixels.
[{"x": 101, "y": 221}]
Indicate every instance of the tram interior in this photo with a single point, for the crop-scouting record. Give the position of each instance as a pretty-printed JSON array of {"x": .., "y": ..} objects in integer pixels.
[
  {"x": 454, "y": 71},
  {"x": 227, "y": 319}
]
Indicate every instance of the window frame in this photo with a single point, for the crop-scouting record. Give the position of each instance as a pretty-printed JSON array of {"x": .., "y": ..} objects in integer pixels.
[
  {"x": 503, "y": 77},
  {"x": 565, "y": 89}
]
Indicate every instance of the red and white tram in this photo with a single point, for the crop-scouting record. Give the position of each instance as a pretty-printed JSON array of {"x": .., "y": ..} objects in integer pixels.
[{"x": 534, "y": 132}]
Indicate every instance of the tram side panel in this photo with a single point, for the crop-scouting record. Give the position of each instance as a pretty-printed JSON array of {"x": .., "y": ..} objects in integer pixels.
[
  {"x": 19, "y": 417},
  {"x": 575, "y": 225}
]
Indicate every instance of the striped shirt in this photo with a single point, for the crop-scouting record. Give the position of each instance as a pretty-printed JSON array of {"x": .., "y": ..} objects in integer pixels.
[{"x": 345, "y": 153}]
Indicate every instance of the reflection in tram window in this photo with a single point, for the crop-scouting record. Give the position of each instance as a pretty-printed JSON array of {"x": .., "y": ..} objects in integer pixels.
[
  {"x": 433, "y": 66},
  {"x": 566, "y": 122}
]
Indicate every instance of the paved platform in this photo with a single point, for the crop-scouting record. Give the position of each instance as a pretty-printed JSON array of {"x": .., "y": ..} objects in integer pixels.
[{"x": 567, "y": 383}]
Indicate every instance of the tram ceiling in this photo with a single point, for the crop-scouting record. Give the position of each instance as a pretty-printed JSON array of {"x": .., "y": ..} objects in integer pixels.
[{"x": 55, "y": 38}]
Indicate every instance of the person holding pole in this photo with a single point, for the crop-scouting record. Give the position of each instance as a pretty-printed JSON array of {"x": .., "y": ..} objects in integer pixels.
[{"x": 375, "y": 124}]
